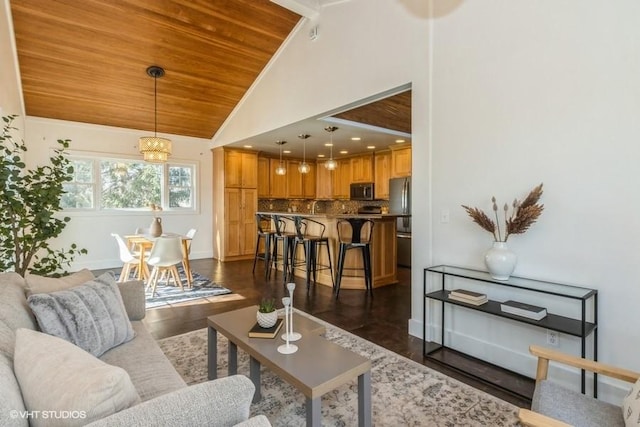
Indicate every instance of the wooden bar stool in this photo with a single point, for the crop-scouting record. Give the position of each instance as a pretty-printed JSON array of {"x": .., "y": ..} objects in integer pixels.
[
  {"x": 355, "y": 233},
  {"x": 310, "y": 244}
]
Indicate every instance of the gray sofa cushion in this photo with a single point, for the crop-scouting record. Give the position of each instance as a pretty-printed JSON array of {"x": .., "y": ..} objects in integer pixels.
[
  {"x": 149, "y": 369},
  {"x": 574, "y": 408},
  {"x": 134, "y": 299},
  {"x": 91, "y": 316}
]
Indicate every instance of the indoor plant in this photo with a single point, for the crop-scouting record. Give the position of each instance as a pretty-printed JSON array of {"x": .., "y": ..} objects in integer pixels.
[
  {"x": 499, "y": 259},
  {"x": 29, "y": 203},
  {"x": 267, "y": 315}
]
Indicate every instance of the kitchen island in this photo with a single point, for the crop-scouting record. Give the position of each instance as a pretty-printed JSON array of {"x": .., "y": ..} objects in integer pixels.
[{"x": 383, "y": 248}]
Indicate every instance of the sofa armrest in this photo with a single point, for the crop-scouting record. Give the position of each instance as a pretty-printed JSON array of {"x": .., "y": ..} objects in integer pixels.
[
  {"x": 222, "y": 402},
  {"x": 133, "y": 297},
  {"x": 533, "y": 419}
]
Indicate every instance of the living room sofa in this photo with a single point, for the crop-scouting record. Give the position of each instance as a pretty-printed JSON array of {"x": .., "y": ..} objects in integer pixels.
[{"x": 165, "y": 399}]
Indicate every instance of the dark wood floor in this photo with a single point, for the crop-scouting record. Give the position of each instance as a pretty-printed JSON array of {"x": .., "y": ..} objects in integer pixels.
[{"x": 382, "y": 319}]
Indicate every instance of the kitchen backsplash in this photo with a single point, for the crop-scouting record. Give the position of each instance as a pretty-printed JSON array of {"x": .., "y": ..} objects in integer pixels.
[{"x": 322, "y": 206}]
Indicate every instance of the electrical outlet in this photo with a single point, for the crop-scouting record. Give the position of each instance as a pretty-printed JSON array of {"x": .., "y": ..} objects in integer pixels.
[
  {"x": 444, "y": 216},
  {"x": 553, "y": 338}
]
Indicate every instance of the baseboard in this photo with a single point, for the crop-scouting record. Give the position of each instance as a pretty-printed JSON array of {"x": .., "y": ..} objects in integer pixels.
[{"x": 520, "y": 361}]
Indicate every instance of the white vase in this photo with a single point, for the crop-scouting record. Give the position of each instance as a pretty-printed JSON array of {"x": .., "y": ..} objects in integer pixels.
[
  {"x": 500, "y": 261},
  {"x": 267, "y": 320}
]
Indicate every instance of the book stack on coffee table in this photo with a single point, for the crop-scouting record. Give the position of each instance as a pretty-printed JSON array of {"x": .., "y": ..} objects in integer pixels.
[{"x": 469, "y": 297}]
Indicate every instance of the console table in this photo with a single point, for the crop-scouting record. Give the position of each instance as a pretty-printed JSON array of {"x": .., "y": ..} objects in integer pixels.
[{"x": 580, "y": 327}]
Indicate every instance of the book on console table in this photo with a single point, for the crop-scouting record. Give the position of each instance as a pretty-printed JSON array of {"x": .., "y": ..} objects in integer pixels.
[
  {"x": 467, "y": 300},
  {"x": 258, "y": 331},
  {"x": 470, "y": 295},
  {"x": 525, "y": 310}
]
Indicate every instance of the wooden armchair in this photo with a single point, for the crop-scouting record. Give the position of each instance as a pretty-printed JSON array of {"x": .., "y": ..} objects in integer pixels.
[{"x": 555, "y": 406}]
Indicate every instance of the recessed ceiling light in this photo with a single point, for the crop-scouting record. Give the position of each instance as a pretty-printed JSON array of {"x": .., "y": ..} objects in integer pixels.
[
  {"x": 248, "y": 146},
  {"x": 371, "y": 147},
  {"x": 328, "y": 144},
  {"x": 344, "y": 152},
  {"x": 320, "y": 155},
  {"x": 356, "y": 138},
  {"x": 399, "y": 140},
  {"x": 287, "y": 151}
]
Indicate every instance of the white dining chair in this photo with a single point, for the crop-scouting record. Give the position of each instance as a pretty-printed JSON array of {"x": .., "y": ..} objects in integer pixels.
[
  {"x": 130, "y": 259},
  {"x": 187, "y": 267},
  {"x": 165, "y": 254}
]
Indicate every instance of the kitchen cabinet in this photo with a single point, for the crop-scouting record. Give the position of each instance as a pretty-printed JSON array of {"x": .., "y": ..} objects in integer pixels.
[
  {"x": 277, "y": 183},
  {"x": 362, "y": 168},
  {"x": 235, "y": 181},
  {"x": 400, "y": 161},
  {"x": 240, "y": 206},
  {"x": 263, "y": 177},
  {"x": 324, "y": 182},
  {"x": 300, "y": 185},
  {"x": 342, "y": 179},
  {"x": 240, "y": 169},
  {"x": 382, "y": 173}
]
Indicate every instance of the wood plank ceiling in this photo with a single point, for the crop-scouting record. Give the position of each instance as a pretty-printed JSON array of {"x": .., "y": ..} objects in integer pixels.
[
  {"x": 85, "y": 60},
  {"x": 393, "y": 113}
]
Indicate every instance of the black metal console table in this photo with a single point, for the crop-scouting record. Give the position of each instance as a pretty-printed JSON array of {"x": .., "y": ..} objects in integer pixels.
[{"x": 580, "y": 328}]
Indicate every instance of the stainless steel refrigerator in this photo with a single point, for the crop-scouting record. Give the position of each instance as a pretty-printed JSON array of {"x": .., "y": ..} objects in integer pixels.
[{"x": 400, "y": 203}]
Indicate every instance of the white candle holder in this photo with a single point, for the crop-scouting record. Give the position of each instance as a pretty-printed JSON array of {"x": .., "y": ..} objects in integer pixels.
[
  {"x": 287, "y": 348},
  {"x": 290, "y": 335}
]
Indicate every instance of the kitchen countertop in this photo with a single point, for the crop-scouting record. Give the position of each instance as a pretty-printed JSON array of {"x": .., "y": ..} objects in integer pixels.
[{"x": 335, "y": 216}]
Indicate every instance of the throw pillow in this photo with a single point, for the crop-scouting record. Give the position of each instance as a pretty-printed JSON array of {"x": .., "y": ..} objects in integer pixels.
[
  {"x": 66, "y": 384},
  {"x": 631, "y": 406},
  {"x": 41, "y": 284},
  {"x": 91, "y": 316}
]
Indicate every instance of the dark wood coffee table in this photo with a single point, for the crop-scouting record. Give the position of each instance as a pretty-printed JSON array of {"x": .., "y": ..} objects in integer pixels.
[{"x": 318, "y": 366}]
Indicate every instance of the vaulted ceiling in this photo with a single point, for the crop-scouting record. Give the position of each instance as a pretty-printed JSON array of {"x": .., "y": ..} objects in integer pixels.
[{"x": 85, "y": 60}]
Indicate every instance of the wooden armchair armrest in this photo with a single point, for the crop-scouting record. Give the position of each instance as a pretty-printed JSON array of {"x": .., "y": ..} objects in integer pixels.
[
  {"x": 533, "y": 419},
  {"x": 545, "y": 355}
]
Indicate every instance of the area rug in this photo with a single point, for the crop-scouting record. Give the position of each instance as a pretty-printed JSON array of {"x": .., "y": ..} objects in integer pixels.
[
  {"x": 169, "y": 294},
  {"x": 404, "y": 393}
]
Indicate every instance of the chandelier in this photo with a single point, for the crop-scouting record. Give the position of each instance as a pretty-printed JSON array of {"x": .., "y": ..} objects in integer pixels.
[
  {"x": 331, "y": 164},
  {"x": 155, "y": 149},
  {"x": 281, "y": 170},
  {"x": 304, "y": 166}
]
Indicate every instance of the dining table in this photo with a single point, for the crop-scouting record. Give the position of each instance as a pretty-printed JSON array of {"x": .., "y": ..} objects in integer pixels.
[{"x": 144, "y": 243}]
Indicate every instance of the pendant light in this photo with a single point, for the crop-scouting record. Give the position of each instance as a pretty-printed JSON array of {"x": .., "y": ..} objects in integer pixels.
[
  {"x": 331, "y": 164},
  {"x": 155, "y": 149},
  {"x": 304, "y": 166},
  {"x": 281, "y": 169}
]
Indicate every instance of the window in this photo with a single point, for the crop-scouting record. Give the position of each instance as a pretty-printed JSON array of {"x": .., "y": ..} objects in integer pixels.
[
  {"x": 80, "y": 190},
  {"x": 123, "y": 184}
]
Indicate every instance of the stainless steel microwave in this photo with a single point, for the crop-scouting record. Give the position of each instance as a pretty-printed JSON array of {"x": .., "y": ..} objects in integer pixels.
[{"x": 362, "y": 191}]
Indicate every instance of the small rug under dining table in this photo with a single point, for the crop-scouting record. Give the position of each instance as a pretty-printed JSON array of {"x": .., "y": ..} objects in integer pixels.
[
  {"x": 404, "y": 393},
  {"x": 166, "y": 294}
]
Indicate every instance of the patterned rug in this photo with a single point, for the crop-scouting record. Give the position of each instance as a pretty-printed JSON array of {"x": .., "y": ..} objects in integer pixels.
[
  {"x": 169, "y": 294},
  {"x": 404, "y": 393}
]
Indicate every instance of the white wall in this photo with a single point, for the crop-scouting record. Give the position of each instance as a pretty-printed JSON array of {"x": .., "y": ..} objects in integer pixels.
[
  {"x": 506, "y": 94},
  {"x": 93, "y": 230}
]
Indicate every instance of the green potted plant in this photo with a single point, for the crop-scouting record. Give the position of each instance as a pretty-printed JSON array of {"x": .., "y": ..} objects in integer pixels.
[
  {"x": 29, "y": 207},
  {"x": 267, "y": 315}
]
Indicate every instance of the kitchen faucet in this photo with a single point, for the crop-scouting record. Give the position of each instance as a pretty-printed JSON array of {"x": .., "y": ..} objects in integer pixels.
[{"x": 313, "y": 206}]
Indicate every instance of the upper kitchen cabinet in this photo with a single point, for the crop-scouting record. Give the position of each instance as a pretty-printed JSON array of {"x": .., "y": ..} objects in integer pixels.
[
  {"x": 277, "y": 183},
  {"x": 301, "y": 185},
  {"x": 400, "y": 161},
  {"x": 382, "y": 173},
  {"x": 263, "y": 177},
  {"x": 362, "y": 168},
  {"x": 342, "y": 179},
  {"x": 240, "y": 169},
  {"x": 324, "y": 182}
]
